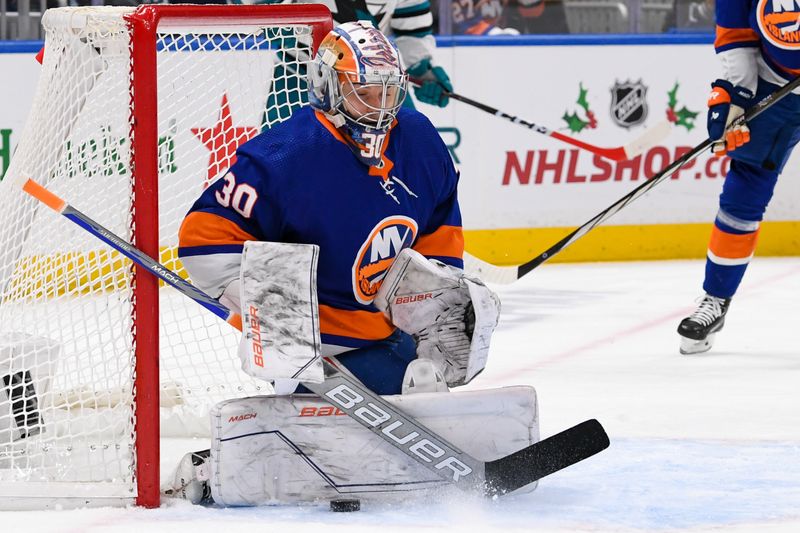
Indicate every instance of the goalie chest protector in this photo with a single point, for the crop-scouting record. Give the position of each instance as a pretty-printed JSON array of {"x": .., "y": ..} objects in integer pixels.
[{"x": 299, "y": 182}]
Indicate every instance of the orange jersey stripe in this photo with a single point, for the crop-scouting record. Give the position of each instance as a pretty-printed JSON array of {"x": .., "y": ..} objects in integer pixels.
[
  {"x": 726, "y": 36},
  {"x": 330, "y": 127},
  {"x": 367, "y": 325},
  {"x": 388, "y": 165},
  {"x": 786, "y": 70},
  {"x": 793, "y": 71},
  {"x": 207, "y": 229},
  {"x": 447, "y": 241},
  {"x": 731, "y": 246}
]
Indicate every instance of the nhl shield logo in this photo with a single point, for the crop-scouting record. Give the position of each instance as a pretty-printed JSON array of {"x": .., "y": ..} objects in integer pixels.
[{"x": 628, "y": 103}]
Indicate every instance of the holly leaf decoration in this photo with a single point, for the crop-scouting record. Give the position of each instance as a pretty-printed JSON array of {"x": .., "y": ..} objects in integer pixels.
[
  {"x": 673, "y": 96},
  {"x": 582, "y": 101},
  {"x": 574, "y": 122},
  {"x": 685, "y": 118}
]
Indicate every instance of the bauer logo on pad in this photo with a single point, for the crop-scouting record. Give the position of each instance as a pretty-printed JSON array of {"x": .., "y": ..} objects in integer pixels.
[{"x": 279, "y": 299}]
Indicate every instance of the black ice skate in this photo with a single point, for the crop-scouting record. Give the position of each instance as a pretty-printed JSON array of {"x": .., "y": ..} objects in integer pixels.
[
  {"x": 697, "y": 330},
  {"x": 190, "y": 480}
]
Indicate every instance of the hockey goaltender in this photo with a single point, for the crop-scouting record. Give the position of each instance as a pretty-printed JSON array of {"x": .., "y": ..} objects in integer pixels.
[{"x": 337, "y": 234}]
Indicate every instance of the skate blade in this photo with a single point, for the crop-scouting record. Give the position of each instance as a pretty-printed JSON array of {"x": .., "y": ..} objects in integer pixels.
[{"x": 691, "y": 346}]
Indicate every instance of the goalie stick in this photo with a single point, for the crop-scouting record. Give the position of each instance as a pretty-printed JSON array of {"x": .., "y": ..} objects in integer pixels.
[
  {"x": 373, "y": 412},
  {"x": 509, "y": 274},
  {"x": 618, "y": 153}
]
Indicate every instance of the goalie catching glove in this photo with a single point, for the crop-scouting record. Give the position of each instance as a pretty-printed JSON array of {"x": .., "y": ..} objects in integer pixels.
[{"x": 450, "y": 316}]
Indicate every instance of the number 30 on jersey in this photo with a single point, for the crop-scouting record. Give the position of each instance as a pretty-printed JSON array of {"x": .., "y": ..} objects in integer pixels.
[
  {"x": 241, "y": 197},
  {"x": 373, "y": 144}
]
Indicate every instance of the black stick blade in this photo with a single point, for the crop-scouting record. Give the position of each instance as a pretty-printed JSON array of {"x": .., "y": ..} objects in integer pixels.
[{"x": 545, "y": 457}]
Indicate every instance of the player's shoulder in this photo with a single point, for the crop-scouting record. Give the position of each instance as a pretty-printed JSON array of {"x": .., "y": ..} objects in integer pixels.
[
  {"x": 284, "y": 138},
  {"x": 285, "y": 145},
  {"x": 410, "y": 118},
  {"x": 413, "y": 125}
]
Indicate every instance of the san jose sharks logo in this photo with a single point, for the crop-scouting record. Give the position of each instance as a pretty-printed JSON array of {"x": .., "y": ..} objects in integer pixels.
[
  {"x": 628, "y": 103},
  {"x": 779, "y": 22},
  {"x": 385, "y": 241}
]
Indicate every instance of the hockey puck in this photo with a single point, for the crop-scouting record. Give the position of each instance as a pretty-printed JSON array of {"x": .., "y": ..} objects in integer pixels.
[{"x": 345, "y": 506}]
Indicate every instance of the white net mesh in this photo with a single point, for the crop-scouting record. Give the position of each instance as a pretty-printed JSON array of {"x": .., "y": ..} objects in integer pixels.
[{"x": 66, "y": 342}]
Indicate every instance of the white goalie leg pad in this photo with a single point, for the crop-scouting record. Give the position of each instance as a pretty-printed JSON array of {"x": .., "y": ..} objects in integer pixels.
[
  {"x": 280, "y": 312},
  {"x": 27, "y": 366},
  {"x": 288, "y": 449},
  {"x": 452, "y": 317}
]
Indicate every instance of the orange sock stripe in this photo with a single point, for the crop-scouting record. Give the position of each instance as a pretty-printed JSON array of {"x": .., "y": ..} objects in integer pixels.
[
  {"x": 732, "y": 246},
  {"x": 207, "y": 229}
]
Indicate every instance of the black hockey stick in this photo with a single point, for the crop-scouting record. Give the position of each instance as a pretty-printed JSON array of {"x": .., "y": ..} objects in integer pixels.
[
  {"x": 545, "y": 457},
  {"x": 369, "y": 409},
  {"x": 617, "y": 153},
  {"x": 499, "y": 274}
]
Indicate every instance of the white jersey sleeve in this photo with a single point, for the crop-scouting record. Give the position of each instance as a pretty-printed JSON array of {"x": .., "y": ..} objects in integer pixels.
[{"x": 412, "y": 26}]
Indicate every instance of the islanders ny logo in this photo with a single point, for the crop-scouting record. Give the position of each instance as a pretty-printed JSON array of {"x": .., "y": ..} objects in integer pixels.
[
  {"x": 377, "y": 254},
  {"x": 779, "y": 22}
]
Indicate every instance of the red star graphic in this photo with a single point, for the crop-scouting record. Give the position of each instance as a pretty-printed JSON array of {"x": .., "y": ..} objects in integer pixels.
[{"x": 222, "y": 140}]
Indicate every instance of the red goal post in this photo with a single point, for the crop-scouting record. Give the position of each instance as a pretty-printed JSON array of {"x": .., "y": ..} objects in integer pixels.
[
  {"x": 145, "y": 23},
  {"x": 137, "y": 109}
]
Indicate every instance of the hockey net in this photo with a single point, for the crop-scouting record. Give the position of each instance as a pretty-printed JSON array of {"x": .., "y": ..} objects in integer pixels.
[{"x": 82, "y": 335}]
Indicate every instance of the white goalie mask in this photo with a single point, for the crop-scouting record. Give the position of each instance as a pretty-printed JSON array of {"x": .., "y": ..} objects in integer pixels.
[{"x": 357, "y": 73}]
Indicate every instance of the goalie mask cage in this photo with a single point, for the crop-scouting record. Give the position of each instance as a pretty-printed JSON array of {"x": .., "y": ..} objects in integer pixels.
[{"x": 137, "y": 110}]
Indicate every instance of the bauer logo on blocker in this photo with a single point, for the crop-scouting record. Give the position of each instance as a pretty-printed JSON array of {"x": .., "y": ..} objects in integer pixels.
[{"x": 385, "y": 241}]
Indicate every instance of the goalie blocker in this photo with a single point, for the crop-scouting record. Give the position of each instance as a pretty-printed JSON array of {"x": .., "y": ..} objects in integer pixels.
[{"x": 298, "y": 448}]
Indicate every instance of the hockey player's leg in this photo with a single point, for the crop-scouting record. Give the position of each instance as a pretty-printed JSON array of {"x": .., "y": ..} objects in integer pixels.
[
  {"x": 698, "y": 330},
  {"x": 299, "y": 448},
  {"x": 744, "y": 198},
  {"x": 381, "y": 366},
  {"x": 190, "y": 481},
  {"x": 745, "y": 195}
]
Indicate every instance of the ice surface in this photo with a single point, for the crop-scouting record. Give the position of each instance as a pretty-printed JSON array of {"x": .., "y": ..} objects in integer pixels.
[{"x": 698, "y": 443}]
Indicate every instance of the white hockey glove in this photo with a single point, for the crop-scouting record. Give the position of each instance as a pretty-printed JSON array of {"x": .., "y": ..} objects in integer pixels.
[{"x": 450, "y": 316}]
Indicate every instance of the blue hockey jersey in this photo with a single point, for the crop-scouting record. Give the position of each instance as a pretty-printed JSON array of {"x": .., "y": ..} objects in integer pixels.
[
  {"x": 299, "y": 182},
  {"x": 773, "y": 26}
]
